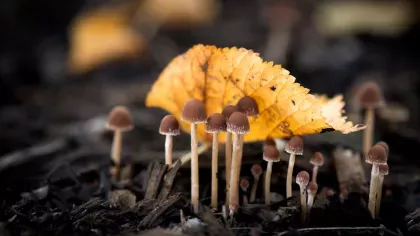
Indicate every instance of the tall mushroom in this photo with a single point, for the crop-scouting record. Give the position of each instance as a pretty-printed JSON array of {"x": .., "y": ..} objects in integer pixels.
[
  {"x": 238, "y": 125},
  {"x": 383, "y": 170},
  {"x": 376, "y": 156},
  {"x": 249, "y": 107},
  {"x": 271, "y": 154},
  {"x": 194, "y": 113},
  {"x": 169, "y": 126},
  {"x": 311, "y": 190},
  {"x": 216, "y": 123},
  {"x": 119, "y": 121},
  {"x": 293, "y": 147},
  {"x": 256, "y": 171},
  {"x": 317, "y": 160},
  {"x": 370, "y": 97},
  {"x": 302, "y": 179}
]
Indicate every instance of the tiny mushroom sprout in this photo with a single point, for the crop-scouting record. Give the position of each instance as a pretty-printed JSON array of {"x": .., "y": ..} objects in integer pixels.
[
  {"x": 248, "y": 106},
  {"x": 385, "y": 146},
  {"x": 370, "y": 97},
  {"x": 256, "y": 171},
  {"x": 244, "y": 184},
  {"x": 317, "y": 160},
  {"x": 293, "y": 147},
  {"x": 376, "y": 156},
  {"x": 194, "y": 113},
  {"x": 227, "y": 112},
  {"x": 215, "y": 123},
  {"x": 271, "y": 154},
  {"x": 302, "y": 178},
  {"x": 169, "y": 126},
  {"x": 311, "y": 189},
  {"x": 237, "y": 124},
  {"x": 119, "y": 121},
  {"x": 383, "y": 170}
]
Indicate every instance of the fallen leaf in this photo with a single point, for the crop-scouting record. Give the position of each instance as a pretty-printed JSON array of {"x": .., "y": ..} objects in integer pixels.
[{"x": 221, "y": 76}]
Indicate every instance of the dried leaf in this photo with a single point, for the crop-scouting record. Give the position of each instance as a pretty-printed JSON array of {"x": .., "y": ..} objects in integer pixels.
[{"x": 221, "y": 76}]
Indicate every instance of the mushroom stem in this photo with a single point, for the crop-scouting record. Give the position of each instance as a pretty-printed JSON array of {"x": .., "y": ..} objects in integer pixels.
[
  {"x": 379, "y": 195},
  {"x": 214, "y": 165},
  {"x": 185, "y": 158},
  {"x": 289, "y": 175},
  {"x": 228, "y": 163},
  {"x": 303, "y": 202},
  {"x": 194, "y": 169},
  {"x": 254, "y": 190},
  {"x": 311, "y": 198},
  {"x": 314, "y": 173},
  {"x": 373, "y": 189},
  {"x": 267, "y": 182},
  {"x": 116, "y": 153},
  {"x": 168, "y": 150},
  {"x": 368, "y": 132},
  {"x": 235, "y": 172}
]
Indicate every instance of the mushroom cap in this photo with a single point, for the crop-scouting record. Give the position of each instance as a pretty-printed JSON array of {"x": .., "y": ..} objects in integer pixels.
[
  {"x": 376, "y": 155},
  {"x": 248, "y": 106},
  {"x": 317, "y": 159},
  {"x": 295, "y": 146},
  {"x": 216, "y": 123},
  {"x": 383, "y": 169},
  {"x": 194, "y": 112},
  {"x": 271, "y": 153},
  {"x": 229, "y": 110},
  {"x": 244, "y": 184},
  {"x": 370, "y": 95},
  {"x": 269, "y": 142},
  {"x": 302, "y": 178},
  {"x": 256, "y": 170},
  {"x": 312, "y": 188},
  {"x": 120, "y": 119},
  {"x": 238, "y": 123},
  {"x": 169, "y": 126},
  {"x": 384, "y": 145}
]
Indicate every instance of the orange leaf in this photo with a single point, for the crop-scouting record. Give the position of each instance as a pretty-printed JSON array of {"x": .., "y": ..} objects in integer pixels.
[{"x": 221, "y": 76}]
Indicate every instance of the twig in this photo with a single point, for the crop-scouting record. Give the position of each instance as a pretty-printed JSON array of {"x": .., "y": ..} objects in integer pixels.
[{"x": 381, "y": 227}]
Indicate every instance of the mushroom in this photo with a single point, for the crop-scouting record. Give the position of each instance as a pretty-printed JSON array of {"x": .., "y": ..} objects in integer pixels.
[
  {"x": 317, "y": 160},
  {"x": 244, "y": 184},
  {"x": 383, "y": 170},
  {"x": 385, "y": 146},
  {"x": 302, "y": 178},
  {"x": 238, "y": 125},
  {"x": 376, "y": 156},
  {"x": 215, "y": 123},
  {"x": 269, "y": 142},
  {"x": 370, "y": 97},
  {"x": 271, "y": 154},
  {"x": 169, "y": 126},
  {"x": 311, "y": 190},
  {"x": 119, "y": 121},
  {"x": 256, "y": 171},
  {"x": 248, "y": 106},
  {"x": 194, "y": 113},
  {"x": 227, "y": 112},
  {"x": 293, "y": 147}
]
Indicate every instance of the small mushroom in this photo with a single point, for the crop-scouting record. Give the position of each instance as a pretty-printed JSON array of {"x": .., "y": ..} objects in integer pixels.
[
  {"x": 311, "y": 190},
  {"x": 244, "y": 184},
  {"x": 256, "y": 171},
  {"x": 119, "y": 121},
  {"x": 293, "y": 147},
  {"x": 317, "y": 160},
  {"x": 194, "y": 113},
  {"x": 271, "y": 154},
  {"x": 302, "y": 178},
  {"x": 385, "y": 146},
  {"x": 376, "y": 156},
  {"x": 237, "y": 124},
  {"x": 169, "y": 126},
  {"x": 383, "y": 170},
  {"x": 248, "y": 106},
  {"x": 269, "y": 142},
  {"x": 216, "y": 123}
]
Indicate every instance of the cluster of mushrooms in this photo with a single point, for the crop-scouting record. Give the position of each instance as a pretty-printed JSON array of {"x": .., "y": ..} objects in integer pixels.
[{"x": 233, "y": 120}]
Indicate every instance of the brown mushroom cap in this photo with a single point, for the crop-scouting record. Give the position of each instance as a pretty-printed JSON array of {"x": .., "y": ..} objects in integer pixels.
[
  {"x": 384, "y": 145},
  {"x": 317, "y": 159},
  {"x": 271, "y": 153},
  {"x": 229, "y": 110},
  {"x": 383, "y": 169},
  {"x": 244, "y": 184},
  {"x": 312, "y": 188},
  {"x": 256, "y": 170},
  {"x": 194, "y": 112},
  {"x": 269, "y": 142},
  {"x": 370, "y": 95},
  {"x": 376, "y": 155},
  {"x": 302, "y": 178},
  {"x": 295, "y": 146},
  {"x": 169, "y": 126},
  {"x": 120, "y": 119},
  {"x": 238, "y": 123},
  {"x": 248, "y": 106},
  {"x": 216, "y": 123}
]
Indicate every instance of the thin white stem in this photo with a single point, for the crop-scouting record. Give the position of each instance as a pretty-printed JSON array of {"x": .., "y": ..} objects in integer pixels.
[
  {"x": 254, "y": 190},
  {"x": 194, "y": 169},
  {"x": 235, "y": 172},
  {"x": 214, "y": 170},
  {"x": 228, "y": 163},
  {"x": 267, "y": 182},
  {"x": 116, "y": 154},
  {"x": 373, "y": 189},
  {"x": 311, "y": 198},
  {"x": 368, "y": 132},
  {"x": 314, "y": 173},
  {"x": 303, "y": 210},
  {"x": 168, "y": 150},
  {"x": 289, "y": 175},
  {"x": 379, "y": 195}
]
